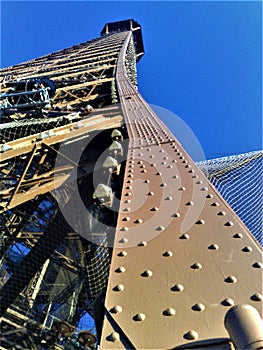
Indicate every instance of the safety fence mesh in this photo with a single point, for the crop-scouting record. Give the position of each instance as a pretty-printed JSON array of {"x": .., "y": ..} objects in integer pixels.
[{"x": 239, "y": 180}]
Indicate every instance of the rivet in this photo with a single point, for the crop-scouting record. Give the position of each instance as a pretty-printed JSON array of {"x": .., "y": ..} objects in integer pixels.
[
  {"x": 151, "y": 156},
  {"x": 163, "y": 163},
  {"x": 161, "y": 151},
  {"x": 231, "y": 279},
  {"x": 126, "y": 209},
  {"x": 174, "y": 161},
  {"x": 120, "y": 269},
  {"x": 128, "y": 194},
  {"x": 118, "y": 288},
  {"x": 154, "y": 209},
  {"x": 163, "y": 184},
  {"x": 116, "y": 309},
  {"x": 169, "y": 166},
  {"x": 238, "y": 235},
  {"x": 184, "y": 236},
  {"x": 227, "y": 302},
  {"x": 126, "y": 218},
  {"x": 158, "y": 173},
  {"x": 258, "y": 265},
  {"x": 150, "y": 193},
  {"x": 153, "y": 165},
  {"x": 138, "y": 221},
  {"x": 257, "y": 297},
  {"x": 168, "y": 253},
  {"x": 169, "y": 312},
  {"x": 130, "y": 175},
  {"x": 209, "y": 195},
  {"x": 125, "y": 228},
  {"x": 194, "y": 176},
  {"x": 144, "y": 171},
  {"x": 142, "y": 244},
  {"x": 129, "y": 188},
  {"x": 213, "y": 247},
  {"x": 191, "y": 171},
  {"x": 169, "y": 198},
  {"x": 160, "y": 228},
  {"x": 200, "y": 222},
  {"x": 127, "y": 201},
  {"x": 139, "y": 317},
  {"x": 129, "y": 181},
  {"x": 123, "y": 240},
  {"x": 147, "y": 273},
  {"x": 165, "y": 158},
  {"x": 177, "y": 288},
  {"x": 229, "y": 223},
  {"x": 221, "y": 213},
  {"x": 199, "y": 182},
  {"x": 215, "y": 204},
  {"x": 122, "y": 253},
  {"x": 175, "y": 177},
  {"x": 189, "y": 203},
  {"x": 196, "y": 266},
  {"x": 113, "y": 337},
  {"x": 191, "y": 335},
  {"x": 247, "y": 249},
  {"x": 181, "y": 188},
  {"x": 176, "y": 215},
  {"x": 204, "y": 189},
  {"x": 140, "y": 162},
  {"x": 147, "y": 181},
  {"x": 198, "y": 307}
]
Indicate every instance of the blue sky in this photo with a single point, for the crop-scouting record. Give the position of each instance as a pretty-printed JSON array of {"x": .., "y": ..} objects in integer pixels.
[{"x": 202, "y": 59}]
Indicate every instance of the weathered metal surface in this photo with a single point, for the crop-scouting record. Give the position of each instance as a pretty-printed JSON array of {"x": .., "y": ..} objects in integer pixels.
[{"x": 181, "y": 256}]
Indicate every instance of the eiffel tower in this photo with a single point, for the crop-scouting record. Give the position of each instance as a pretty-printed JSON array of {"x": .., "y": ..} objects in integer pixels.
[{"x": 111, "y": 236}]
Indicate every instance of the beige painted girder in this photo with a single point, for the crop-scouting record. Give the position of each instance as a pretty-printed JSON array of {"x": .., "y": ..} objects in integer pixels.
[{"x": 181, "y": 256}]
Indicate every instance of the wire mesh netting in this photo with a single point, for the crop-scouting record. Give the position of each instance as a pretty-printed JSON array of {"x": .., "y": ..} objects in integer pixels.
[{"x": 239, "y": 180}]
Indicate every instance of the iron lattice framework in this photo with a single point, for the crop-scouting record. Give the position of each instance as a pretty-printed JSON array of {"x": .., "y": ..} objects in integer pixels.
[{"x": 131, "y": 213}]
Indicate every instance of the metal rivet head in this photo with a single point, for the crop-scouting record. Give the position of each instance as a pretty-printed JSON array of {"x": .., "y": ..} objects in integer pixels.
[
  {"x": 194, "y": 176},
  {"x": 199, "y": 182},
  {"x": 126, "y": 218},
  {"x": 209, "y": 195},
  {"x": 189, "y": 203},
  {"x": 127, "y": 201},
  {"x": 191, "y": 335},
  {"x": 238, "y": 235},
  {"x": 147, "y": 273},
  {"x": 120, "y": 269},
  {"x": 169, "y": 312},
  {"x": 116, "y": 309},
  {"x": 123, "y": 240},
  {"x": 118, "y": 288},
  {"x": 227, "y": 302},
  {"x": 184, "y": 236},
  {"x": 221, "y": 213},
  {"x": 182, "y": 188},
  {"x": 196, "y": 266},
  {"x": 139, "y": 317},
  {"x": 142, "y": 244},
  {"x": 150, "y": 193},
  {"x": 258, "y": 265},
  {"x": 257, "y": 297},
  {"x": 126, "y": 209},
  {"x": 204, "y": 189},
  {"x": 125, "y": 228},
  {"x": 169, "y": 166},
  {"x": 177, "y": 288},
  {"x": 215, "y": 204},
  {"x": 231, "y": 279},
  {"x": 147, "y": 181},
  {"x": 113, "y": 337},
  {"x": 198, "y": 307},
  {"x": 169, "y": 198},
  {"x": 176, "y": 215},
  {"x": 154, "y": 209},
  {"x": 168, "y": 253},
  {"x": 213, "y": 247},
  {"x": 122, "y": 253},
  {"x": 160, "y": 228},
  {"x": 247, "y": 249},
  {"x": 163, "y": 184},
  {"x": 200, "y": 222},
  {"x": 153, "y": 165},
  {"x": 159, "y": 173},
  {"x": 229, "y": 223},
  {"x": 144, "y": 171}
]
